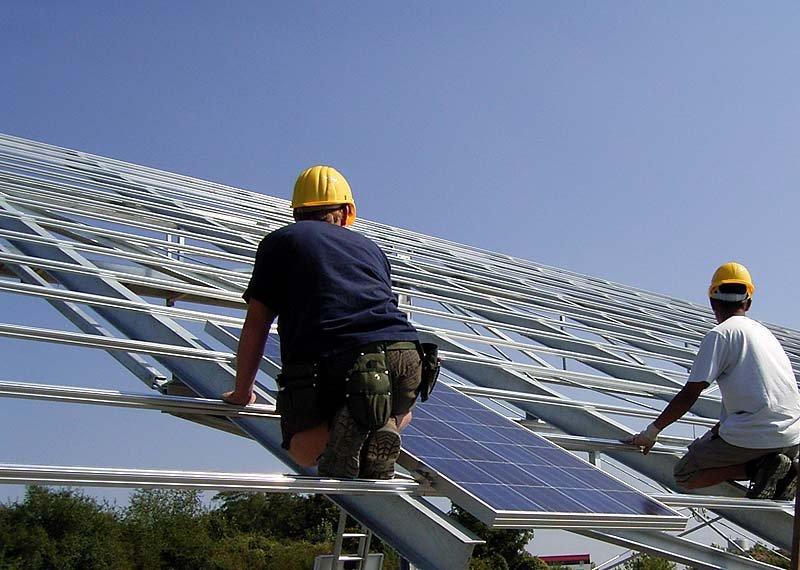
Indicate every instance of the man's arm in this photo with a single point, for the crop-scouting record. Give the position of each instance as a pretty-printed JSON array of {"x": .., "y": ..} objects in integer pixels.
[
  {"x": 677, "y": 407},
  {"x": 680, "y": 404},
  {"x": 248, "y": 355}
]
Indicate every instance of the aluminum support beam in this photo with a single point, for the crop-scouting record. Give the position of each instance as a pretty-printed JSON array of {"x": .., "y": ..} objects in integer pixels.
[
  {"x": 681, "y": 550},
  {"x": 133, "y": 362},
  {"x": 201, "y": 480},
  {"x": 172, "y": 404}
]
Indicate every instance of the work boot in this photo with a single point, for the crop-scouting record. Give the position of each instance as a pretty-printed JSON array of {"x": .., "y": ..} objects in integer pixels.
[
  {"x": 380, "y": 452},
  {"x": 787, "y": 487},
  {"x": 771, "y": 469},
  {"x": 341, "y": 456}
]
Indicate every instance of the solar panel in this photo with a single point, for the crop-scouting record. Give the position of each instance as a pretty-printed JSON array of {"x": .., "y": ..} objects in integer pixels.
[{"x": 507, "y": 475}]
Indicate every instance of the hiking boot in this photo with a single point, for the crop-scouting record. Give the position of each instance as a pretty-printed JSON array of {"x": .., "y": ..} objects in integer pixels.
[
  {"x": 771, "y": 470},
  {"x": 380, "y": 452},
  {"x": 787, "y": 487},
  {"x": 341, "y": 456}
]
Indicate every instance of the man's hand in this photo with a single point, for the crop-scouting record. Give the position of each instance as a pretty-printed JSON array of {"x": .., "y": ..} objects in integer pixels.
[
  {"x": 237, "y": 399},
  {"x": 645, "y": 439},
  {"x": 248, "y": 354}
]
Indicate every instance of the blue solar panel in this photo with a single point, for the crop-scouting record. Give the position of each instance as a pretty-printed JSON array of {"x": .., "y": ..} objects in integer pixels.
[
  {"x": 510, "y": 468},
  {"x": 272, "y": 350}
]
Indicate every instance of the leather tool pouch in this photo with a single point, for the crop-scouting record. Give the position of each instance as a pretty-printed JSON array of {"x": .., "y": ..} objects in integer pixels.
[
  {"x": 369, "y": 390},
  {"x": 298, "y": 400},
  {"x": 430, "y": 369}
]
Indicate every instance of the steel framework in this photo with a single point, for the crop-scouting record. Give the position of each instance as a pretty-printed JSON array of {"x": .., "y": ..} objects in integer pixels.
[{"x": 116, "y": 248}]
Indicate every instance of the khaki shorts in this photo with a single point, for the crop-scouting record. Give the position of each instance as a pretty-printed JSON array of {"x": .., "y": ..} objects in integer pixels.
[
  {"x": 711, "y": 452},
  {"x": 405, "y": 373}
]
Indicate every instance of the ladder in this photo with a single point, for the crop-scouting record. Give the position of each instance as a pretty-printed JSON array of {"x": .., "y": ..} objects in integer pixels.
[{"x": 364, "y": 537}]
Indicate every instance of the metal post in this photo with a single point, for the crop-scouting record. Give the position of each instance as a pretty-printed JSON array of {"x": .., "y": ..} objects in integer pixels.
[
  {"x": 364, "y": 544},
  {"x": 795, "y": 563},
  {"x": 337, "y": 545},
  {"x": 563, "y": 359}
]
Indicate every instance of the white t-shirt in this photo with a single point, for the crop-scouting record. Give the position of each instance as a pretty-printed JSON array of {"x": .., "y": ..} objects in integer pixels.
[{"x": 760, "y": 399}]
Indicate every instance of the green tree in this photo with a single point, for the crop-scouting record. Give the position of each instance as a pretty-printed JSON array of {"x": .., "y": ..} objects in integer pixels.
[
  {"x": 254, "y": 552},
  {"x": 534, "y": 563},
  {"x": 61, "y": 529},
  {"x": 290, "y": 517},
  {"x": 505, "y": 545},
  {"x": 648, "y": 562},
  {"x": 168, "y": 529},
  {"x": 779, "y": 558}
]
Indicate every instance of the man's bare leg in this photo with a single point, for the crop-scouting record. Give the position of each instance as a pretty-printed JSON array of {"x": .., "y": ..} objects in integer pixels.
[
  {"x": 709, "y": 477},
  {"x": 403, "y": 420},
  {"x": 306, "y": 446}
]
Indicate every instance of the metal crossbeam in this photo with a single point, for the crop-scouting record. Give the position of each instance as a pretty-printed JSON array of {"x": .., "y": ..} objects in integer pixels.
[
  {"x": 174, "y": 404},
  {"x": 711, "y": 502},
  {"x": 681, "y": 550},
  {"x": 202, "y": 480}
]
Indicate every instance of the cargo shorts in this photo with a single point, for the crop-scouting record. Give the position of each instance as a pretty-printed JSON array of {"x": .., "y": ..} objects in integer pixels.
[
  {"x": 307, "y": 408},
  {"x": 711, "y": 451}
]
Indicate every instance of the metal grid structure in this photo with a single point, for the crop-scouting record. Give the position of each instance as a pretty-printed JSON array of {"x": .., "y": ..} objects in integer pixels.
[{"x": 150, "y": 267}]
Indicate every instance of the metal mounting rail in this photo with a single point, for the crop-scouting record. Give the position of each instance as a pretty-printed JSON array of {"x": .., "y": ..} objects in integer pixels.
[
  {"x": 516, "y": 396},
  {"x": 180, "y": 404},
  {"x": 101, "y": 301},
  {"x": 554, "y": 351},
  {"x": 93, "y": 341},
  {"x": 712, "y": 502},
  {"x": 213, "y": 407},
  {"x": 558, "y": 376},
  {"x": 125, "y": 276},
  {"x": 581, "y": 443},
  {"x": 678, "y": 549},
  {"x": 202, "y": 480},
  {"x": 209, "y": 406},
  {"x": 111, "y": 343}
]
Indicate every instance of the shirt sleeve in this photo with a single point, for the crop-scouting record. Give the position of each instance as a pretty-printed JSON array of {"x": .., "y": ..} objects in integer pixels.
[
  {"x": 264, "y": 283},
  {"x": 710, "y": 362}
]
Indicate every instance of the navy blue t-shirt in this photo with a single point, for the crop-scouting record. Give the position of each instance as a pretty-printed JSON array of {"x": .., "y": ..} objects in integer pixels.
[{"x": 331, "y": 288}]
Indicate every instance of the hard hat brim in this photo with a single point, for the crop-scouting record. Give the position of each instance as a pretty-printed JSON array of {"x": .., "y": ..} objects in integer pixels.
[
  {"x": 713, "y": 291},
  {"x": 351, "y": 211}
]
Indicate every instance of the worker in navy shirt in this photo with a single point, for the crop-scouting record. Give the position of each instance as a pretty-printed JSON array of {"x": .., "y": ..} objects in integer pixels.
[{"x": 351, "y": 361}]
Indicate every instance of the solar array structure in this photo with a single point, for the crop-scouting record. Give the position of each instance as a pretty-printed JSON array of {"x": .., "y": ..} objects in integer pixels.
[
  {"x": 509, "y": 476},
  {"x": 150, "y": 266}
]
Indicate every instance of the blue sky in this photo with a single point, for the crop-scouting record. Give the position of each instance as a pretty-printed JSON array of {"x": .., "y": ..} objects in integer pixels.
[
  {"x": 645, "y": 143},
  {"x": 642, "y": 142}
]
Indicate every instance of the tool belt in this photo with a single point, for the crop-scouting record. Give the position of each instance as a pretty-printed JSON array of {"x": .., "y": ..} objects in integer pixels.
[
  {"x": 303, "y": 395},
  {"x": 369, "y": 384},
  {"x": 298, "y": 400},
  {"x": 431, "y": 365},
  {"x": 368, "y": 389}
]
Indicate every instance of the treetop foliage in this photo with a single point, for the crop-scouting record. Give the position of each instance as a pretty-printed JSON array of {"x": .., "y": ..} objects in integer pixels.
[
  {"x": 503, "y": 549},
  {"x": 648, "y": 562},
  {"x": 64, "y": 529}
]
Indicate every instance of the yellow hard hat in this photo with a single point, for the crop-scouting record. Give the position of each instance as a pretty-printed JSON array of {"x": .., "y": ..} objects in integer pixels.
[
  {"x": 323, "y": 186},
  {"x": 735, "y": 273}
]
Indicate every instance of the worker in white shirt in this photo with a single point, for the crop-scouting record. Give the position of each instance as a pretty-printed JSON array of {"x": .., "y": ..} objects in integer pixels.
[{"x": 758, "y": 432}]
